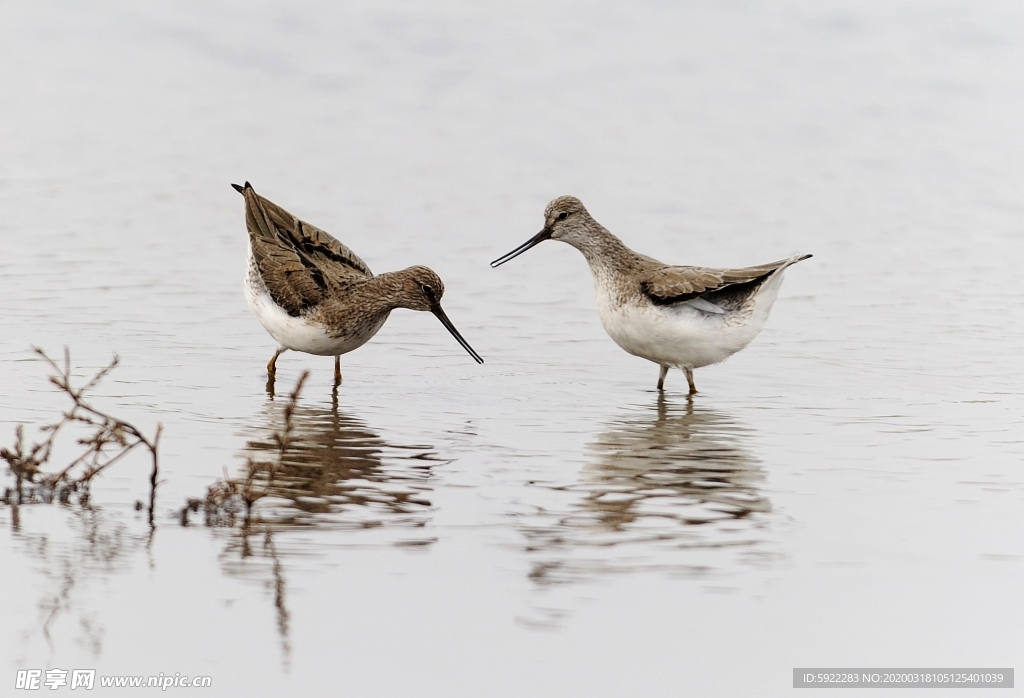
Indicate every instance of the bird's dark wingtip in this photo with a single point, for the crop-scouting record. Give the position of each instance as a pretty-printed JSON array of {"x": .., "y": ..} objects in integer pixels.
[{"x": 238, "y": 187}]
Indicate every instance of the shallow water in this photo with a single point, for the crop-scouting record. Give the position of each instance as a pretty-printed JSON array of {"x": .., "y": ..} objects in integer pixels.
[{"x": 845, "y": 492}]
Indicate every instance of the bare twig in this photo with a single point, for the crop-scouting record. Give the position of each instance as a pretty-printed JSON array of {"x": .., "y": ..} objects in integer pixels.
[
  {"x": 228, "y": 496},
  {"x": 108, "y": 440}
]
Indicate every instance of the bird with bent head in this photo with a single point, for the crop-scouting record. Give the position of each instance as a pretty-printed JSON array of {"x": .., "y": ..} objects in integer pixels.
[{"x": 315, "y": 295}]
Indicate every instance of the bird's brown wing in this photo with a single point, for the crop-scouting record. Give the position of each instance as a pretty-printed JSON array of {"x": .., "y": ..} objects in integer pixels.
[
  {"x": 298, "y": 262},
  {"x": 669, "y": 285}
]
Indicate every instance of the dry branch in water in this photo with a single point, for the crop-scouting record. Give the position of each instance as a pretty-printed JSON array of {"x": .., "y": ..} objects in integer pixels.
[
  {"x": 230, "y": 496},
  {"x": 107, "y": 440}
]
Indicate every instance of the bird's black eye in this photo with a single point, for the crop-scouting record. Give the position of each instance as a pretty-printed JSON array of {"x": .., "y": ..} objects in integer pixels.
[
  {"x": 562, "y": 216},
  {"x": 428, "y": 290}
]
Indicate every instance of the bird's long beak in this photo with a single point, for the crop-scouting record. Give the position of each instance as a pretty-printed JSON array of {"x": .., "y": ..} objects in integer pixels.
[
  {"x": 535, "y": 240},
  {"x": 436, "y": 310}
]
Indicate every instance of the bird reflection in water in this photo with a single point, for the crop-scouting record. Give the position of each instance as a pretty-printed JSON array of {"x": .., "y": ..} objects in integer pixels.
[
  {"x": 337, "y": 471},
  {"x": 666, "y": 488}
]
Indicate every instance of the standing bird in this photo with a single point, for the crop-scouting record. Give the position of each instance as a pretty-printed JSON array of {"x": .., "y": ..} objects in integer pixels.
[
  {"x": 313, "y": 294},
  {"x": 677, "y": 317}
]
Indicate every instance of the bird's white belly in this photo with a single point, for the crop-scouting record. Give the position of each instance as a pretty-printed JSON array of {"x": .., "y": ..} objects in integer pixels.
[
  {"x": 295, "y": 333},
  {"x": 683, "y": 336},
  {"x": 292, "y": 332}
]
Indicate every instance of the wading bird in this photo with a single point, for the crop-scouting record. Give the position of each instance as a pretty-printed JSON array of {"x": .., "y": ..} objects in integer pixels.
[
  {"x": 315, "y": 295},
  {"x": 677, "y": 317}
]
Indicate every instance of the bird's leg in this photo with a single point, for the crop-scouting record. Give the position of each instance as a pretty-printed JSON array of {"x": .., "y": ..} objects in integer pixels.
[
  {"x": 689, "y": 379},
  {"x": 272, "y": 365},
  {"x": 661, "y": 377},
  {"x": 272, "y": 371},
  {"x": 337, "y": 371}
]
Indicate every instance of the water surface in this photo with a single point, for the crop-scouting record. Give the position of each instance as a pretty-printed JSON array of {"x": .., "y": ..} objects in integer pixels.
[{"x": 845, "y": 492}]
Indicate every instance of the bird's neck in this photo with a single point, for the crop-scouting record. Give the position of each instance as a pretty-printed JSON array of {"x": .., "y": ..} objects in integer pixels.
[
  {"x": 604, "y": 252},
  {"x": 381, "y": 293}
]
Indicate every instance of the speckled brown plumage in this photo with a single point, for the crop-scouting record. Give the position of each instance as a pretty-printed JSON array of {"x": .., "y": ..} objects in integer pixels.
[
  {"x": 313, "y": 294},
  {"x": 667, "y": 285},
  {"x": 300, "y": 264}
]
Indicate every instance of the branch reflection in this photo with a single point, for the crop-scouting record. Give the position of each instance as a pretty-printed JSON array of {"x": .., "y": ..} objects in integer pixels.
[
  {"x": 338, "y": 472},
  {"x": 73, "y": 549},
  {"x": 335, "y": 473}
]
